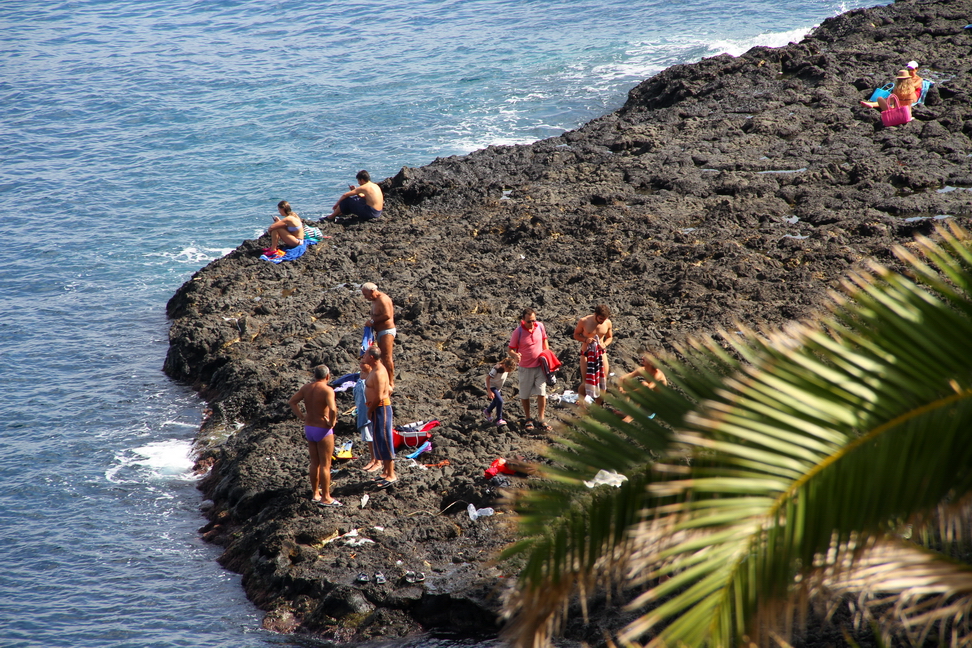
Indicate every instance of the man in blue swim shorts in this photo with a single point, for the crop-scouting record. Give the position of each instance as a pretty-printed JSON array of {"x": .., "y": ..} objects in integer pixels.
[
  {"x": 319, "y": 423},
  {"x": 364, "y": 201},
  {"x": 378, "y": 397}
]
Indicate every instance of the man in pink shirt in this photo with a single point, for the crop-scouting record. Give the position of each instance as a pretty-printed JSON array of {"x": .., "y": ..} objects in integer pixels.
[{"x": 528, "y": 341}]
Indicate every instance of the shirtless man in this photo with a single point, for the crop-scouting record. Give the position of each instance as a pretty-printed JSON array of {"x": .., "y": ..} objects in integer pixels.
[
  {"x": 287, "y": 229},
  {"x": 378, "y": 398},
  {"x": 382, "y": 322},
  {"x": 648, "y": 374},
  {"x": 365, "y": 201},
  {"x": 591, "y": 329},
  {"x": 319, "y": 422}
]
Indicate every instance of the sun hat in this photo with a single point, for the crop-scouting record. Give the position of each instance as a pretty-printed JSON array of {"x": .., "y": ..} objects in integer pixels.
[{"x": 903, "y": 74}]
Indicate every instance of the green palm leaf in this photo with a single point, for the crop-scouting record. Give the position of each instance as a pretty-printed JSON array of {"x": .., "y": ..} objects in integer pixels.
[{"x": 782, "y": 477}]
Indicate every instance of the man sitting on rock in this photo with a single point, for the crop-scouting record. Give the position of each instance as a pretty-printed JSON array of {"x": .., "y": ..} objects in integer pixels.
[
  {"x": 364, "y": 201},
  {"x": 319, "y": 422}
]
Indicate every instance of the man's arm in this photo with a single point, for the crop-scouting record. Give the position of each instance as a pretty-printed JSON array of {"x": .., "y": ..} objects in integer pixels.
[
  {"x": 331, "y": 408},
  {"x": 608, "y": 335},
  {"x": 579, "y": 333},
  {"x": 514, "y": 350},
  {"x": 347, "y": 194},
  {"x": 294, "y": 400}
]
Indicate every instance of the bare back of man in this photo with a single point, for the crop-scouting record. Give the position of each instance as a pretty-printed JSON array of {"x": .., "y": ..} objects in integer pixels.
[
  {"x": 319, "y": 418},
  {"x": 372, "y": 195},
  {"x": 589, "y": 329}
]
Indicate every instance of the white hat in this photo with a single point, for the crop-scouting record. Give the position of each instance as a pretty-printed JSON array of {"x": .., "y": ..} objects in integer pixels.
[{"x": 912, "y": 65}]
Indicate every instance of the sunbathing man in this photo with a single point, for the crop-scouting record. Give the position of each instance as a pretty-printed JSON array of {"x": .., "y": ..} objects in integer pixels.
[
  {"x": 319, "y": 422},
  {"x": 648, "y": 374},
  {"x": 365, "y": 201},
  {"x": 594, "y": 332},
  {"x": 382, "y": 322},
  {"x": 378, "y": 397},
  {"x": 287, "y": 229}
]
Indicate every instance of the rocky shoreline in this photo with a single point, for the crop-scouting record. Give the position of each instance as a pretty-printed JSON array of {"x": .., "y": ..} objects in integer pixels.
[{"x": 729, "y": 190}]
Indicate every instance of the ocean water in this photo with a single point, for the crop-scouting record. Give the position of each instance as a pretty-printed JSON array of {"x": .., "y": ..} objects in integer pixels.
[{"x": 140, "y": 140}]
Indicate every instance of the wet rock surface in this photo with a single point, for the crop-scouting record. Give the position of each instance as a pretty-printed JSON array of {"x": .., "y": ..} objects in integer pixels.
[{"x": 734, "y": 189}]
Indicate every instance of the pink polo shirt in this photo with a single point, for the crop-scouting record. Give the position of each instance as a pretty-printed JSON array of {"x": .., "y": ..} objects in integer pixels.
[{"x": 530, "y": 345}]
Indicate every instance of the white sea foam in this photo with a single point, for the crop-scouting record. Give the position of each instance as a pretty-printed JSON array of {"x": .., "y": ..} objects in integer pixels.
[
  {"x": 171, "y": 459},
  {"x": 735, "y": 47},
  {"x": 194, "y": 255}
]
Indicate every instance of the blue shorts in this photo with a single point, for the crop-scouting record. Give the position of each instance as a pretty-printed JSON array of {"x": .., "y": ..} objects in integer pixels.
[
  {"x": 317, "y": 434},
  {"x": 356, "y": 205},
  {"x": 382, "y": 432}
]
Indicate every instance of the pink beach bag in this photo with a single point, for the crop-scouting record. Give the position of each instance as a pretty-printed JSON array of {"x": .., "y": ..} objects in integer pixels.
[{"x": 896, "y": 114}]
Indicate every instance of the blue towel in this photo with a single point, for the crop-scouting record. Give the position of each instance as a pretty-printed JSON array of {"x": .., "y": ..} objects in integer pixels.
[
  {"x": 291, "y": 254},
  {"x": 925, "y": 86},
  {"x": 422, "y": 448},
  {"x": 367, "y": 339}
]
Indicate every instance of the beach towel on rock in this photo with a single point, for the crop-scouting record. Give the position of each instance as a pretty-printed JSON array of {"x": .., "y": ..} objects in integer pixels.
[{"x": 289, "y": 255}]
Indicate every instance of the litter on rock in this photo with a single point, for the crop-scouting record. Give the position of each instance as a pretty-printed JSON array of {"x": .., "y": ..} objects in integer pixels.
[
  {"x": 351, "y": 539},
  {"x": 609, "y": 477},
  {"x": 475, "y": 514}
]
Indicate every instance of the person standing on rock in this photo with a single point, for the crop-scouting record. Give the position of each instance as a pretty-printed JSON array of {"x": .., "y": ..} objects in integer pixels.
[
  {"x": 595, "y": 333},
  {"x": 319, "y": 419},
  {"x": 382, "y": 322},
  {"x": 378, "y": 398},
  {"x": 528, "y": 341},
  {"x": 364, "y": 201}
]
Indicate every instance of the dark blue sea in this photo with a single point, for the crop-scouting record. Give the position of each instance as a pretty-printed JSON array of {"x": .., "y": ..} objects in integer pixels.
[{"x": 140, "y": 140}]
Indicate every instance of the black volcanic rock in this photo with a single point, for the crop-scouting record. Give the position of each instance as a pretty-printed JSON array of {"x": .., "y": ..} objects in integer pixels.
[{"x": 733, "y": 189}]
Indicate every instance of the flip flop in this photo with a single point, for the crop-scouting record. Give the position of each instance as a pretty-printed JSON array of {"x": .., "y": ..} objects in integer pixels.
[
  {"x": 362, "y": 578},
  {"x": 544, "y": 426},
  {"x": 331, "y": 504},
  {"x": 409, "y": 577},
  {"x": 384, "y": 483},
  {"x": 529, "y": 425},
  {"x": 380, "y": 578}
]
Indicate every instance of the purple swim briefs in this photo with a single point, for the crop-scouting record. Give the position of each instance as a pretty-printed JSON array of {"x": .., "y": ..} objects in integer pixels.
[{"x": 317, "y": 434}]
